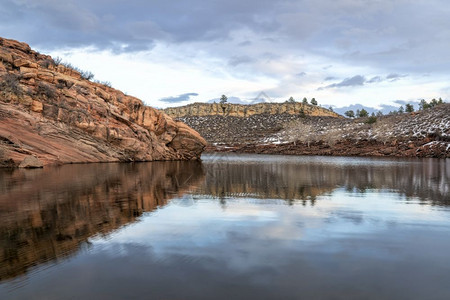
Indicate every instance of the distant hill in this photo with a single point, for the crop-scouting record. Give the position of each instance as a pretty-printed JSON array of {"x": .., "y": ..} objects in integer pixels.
[
  {"x": 262, "y": 97},
  {"x": 384, "y": 108}
]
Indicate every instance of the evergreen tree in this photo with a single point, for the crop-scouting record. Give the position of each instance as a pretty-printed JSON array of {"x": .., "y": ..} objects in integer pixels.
[
  {"x": 423, "y": 105},
  {"x": 433, "y": 102},
  {"x": 350, "y": 113},
  {"x": 363, "y": 113},
  {"x": 409, "y": 108},
  {"x": 305, "y": 101},
  {"x": 313, "y": 101},
  {"x": 291, "y": 99},
  {"x": 223, "y": 99},
  {"x": 401, "y": 109},
  {"x": 372, "y": 119}
]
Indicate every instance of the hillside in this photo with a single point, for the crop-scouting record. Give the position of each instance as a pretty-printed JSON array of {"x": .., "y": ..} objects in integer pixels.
[
  {"x": 423, "y": 134},
  {"x": 228, "y": 130},
  {"x": 52, "y": 112}
]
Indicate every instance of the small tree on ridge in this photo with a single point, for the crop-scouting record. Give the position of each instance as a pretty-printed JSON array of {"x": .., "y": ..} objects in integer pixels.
[
  {"x": 350, "y": 113},
  {"x": 362, "y": 113},
  {"x": 409, "y": 108},
  {"x": 223, "y": 99}
]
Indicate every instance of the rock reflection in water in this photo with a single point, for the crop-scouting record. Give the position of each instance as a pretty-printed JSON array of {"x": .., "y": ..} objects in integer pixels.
[
  {"x": 49, "y": 214},
  {"x": 305, "y": 178}
]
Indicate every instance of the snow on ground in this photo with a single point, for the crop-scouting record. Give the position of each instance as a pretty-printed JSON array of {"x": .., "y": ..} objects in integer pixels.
[{"x": 433, "y": 123}]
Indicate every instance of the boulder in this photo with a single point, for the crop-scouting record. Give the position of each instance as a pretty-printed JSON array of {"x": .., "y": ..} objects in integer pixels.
[
  {"x": 18, "y": 46},
  {"x": 6, "y": 57},
  {"x": 21, "y": 62},
  {"x": 30, "y": 162},
  {"x": 45, "y": 75},
  {"x": 188, "y": 142},
  {"x": 36, "y": 106},
  {"x": 28, "y": 73}
]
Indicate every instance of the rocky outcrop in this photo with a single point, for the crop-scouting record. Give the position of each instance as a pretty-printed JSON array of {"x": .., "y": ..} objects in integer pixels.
[
  {"x": 240, "y": 110},
  {"x": 52, "y": 112},
  {"x": 31, "y": 162}
]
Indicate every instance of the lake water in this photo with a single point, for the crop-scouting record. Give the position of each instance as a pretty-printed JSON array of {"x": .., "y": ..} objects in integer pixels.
[{"x": 231, "y": 227}]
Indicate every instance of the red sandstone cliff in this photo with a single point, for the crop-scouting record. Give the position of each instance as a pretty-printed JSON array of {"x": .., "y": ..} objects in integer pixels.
[{"x": 50, "y": 111}]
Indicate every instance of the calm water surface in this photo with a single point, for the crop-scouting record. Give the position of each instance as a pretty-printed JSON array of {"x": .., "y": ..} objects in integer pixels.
[{"x": 232, "y": 227}]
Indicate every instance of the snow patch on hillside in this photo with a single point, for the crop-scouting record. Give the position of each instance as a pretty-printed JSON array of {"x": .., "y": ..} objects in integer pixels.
[{"x": 432, "y": 123}]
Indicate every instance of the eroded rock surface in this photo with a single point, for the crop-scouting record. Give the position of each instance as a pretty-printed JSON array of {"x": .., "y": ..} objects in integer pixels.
[{"x": 50, "y": 111}]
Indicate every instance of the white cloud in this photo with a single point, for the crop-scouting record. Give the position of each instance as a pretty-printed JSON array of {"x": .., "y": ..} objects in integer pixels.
[{"x": 240, "y": 49}]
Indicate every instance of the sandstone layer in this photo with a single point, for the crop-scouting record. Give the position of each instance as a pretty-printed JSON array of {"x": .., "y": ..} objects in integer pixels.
[
  {"x": 52, "y": 112},
  {"x": 240, "y": 110}
]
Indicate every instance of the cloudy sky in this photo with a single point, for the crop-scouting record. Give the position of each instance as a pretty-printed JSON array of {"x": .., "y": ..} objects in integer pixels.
[{"x": 169, "y": 53}]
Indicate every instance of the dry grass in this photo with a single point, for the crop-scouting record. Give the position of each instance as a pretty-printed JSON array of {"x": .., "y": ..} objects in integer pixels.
[
  {"x": 47, "y": 90},
  {"x": 10, "y": 83}
]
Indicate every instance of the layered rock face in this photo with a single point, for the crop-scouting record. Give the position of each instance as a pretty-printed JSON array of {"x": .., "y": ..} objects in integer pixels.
[
  {"x": 239, "y": 110},
  {"x": 52, "y": 112}
]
